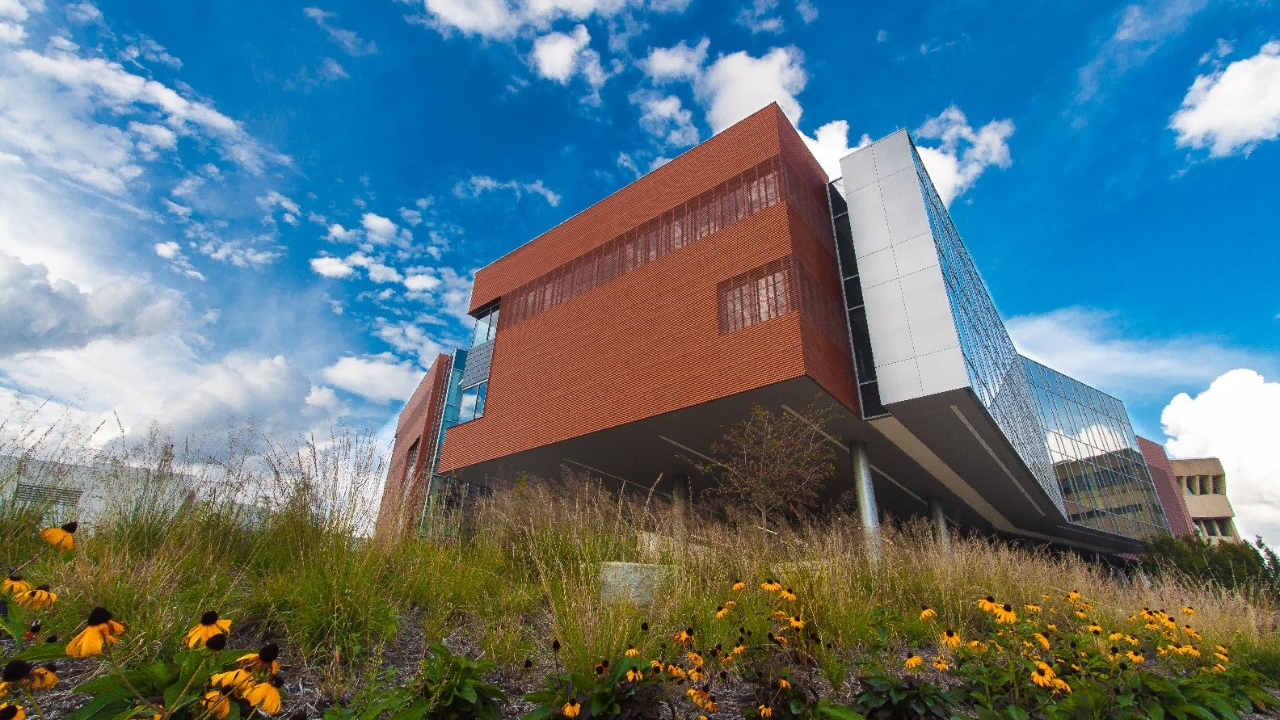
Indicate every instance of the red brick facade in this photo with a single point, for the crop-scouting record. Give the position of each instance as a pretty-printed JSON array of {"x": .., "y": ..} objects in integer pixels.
[
  {"x": 1167, "y": 487},
  {"x": 594, "y": 355},
  {"x": 405, "y": 491}
]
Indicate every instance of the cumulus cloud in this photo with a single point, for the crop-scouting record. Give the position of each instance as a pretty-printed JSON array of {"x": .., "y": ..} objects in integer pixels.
[
  {"x": 380, "y": 379},
  {"x": 1231, "y": 111},
  {"x": 409, "y": 338},
  {"x": 504, "y": 19},
  {"x": 965, "y": 153},
  {"x": 831, "y": 143},
  {"x": 477, "y": 185},
  {"x": 665, "y": 117},
  {"x": 273, "y": 201},
  {"x": 39, "y": 313},
  {"x": 331, "y": 267},
  {"x": 736, "y": 85},
  {"x": 678, "y": 62},
  {"x": 348, "y": 40},
  {"x": 1089, "y": 344},
  {"x": 561, "y": 57},
  {"x": 1236, "y": 419}
]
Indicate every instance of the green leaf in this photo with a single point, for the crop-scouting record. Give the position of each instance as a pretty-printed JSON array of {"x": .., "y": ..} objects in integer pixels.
[
  {"x": 840, "y": 713},
  {"x": 102, "y": 700},
  {"x": 467, "y": 692},
  {"x": 42, "y": 651},
  {"x": 1017, "y": 713}
]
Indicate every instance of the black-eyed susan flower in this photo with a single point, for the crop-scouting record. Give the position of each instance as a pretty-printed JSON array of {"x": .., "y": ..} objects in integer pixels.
[
  {"x": 1031, "y": 608},
  {"x": 721, "y": 612},
  {"x": 216, "y": 704},
  {"x": 266, "y": 660},
  {"x": 101, "y": 628},
  {"x": 32, "y": 633},
  {"x": 1072, "y": 596},
  {"x": 940, "y": 663},
  {"x": 912, "y": 662},
  {"x": 209, "y": 626},
  {"x": 571, "y": 709},
  {"x": 62, "y": 538},
  {"x": 599, "y": 668},
  {"x": 694, "y": 659},
  {"x": 696, "y": 675},
  {"x": 12, "y": 712},
  {"x": 783, "y": 684},
  {"x": 1191, "y": 632},
  {"x": 15, "y": 583},
  {"x": 16, "y": 671},
  {"x": 787, "y": 595},
  {"x": 265, "y": 696},
  {"x": 676, "y": 672},
  {"x": 977, "y": 646},
  {"x": 987, "y": 604},
  {"x": 771, "y": 585},
  {"x": 796, "y": 623},
  {"x": 42, "y": 678},
  {"x": 632, "y": 651},
  {"x": 1042, "y": 676},
  {"x": 684, "y": 637},
  {"x": 1188, "y": 610},
  {"x": 1005, "y": 614},
  {"x": 1060, "y": 686},
  {"x": 1222, "y": 657},
  {"x": 1094, "y": 629},
  {"x": 1135, "y": 658},
  {"x": 634, "y": 675},
  {"x": 764, "y": 710},
  {"x": 950, "y": 638},
  {"x": 927, "y": 613},
  {"x": 37, "y": 598},
  {"x": 738, "y": 586}
]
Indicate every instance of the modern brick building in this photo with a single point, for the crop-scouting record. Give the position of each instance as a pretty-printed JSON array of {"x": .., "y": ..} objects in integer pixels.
[{"x": 624, "y": 341}]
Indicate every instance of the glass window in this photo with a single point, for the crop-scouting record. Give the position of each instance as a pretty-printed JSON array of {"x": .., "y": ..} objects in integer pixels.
[
  {"x": 486, "y": 327},
  {"x": 472, "y": 404}
]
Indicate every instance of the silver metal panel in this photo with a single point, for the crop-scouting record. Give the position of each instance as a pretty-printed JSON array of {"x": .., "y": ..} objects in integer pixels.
[
  {"x": 899, "y": 381},
  {"x": 890, "y": 331},
  {"x": 858, "y": 170},
  {"x": 942, "y": 371},
  {"x": 904, "y": 205},
  {"x": 915, "y": 254},
  {"x": 924, "y": 294},
  {"x": 893, "y": 153},
  {"x": 476, "y": 370},
  {"x": 867, "y": 220},
  {"x": 877, "y": 268}
]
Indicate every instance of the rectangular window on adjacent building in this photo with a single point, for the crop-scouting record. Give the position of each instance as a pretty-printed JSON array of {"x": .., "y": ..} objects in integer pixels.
[
  {"x": 472, "y": 403},
  {"x": 754, "y": 297}
]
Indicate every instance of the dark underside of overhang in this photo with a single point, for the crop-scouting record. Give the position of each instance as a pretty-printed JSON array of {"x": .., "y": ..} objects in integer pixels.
[{"x": 944, "y": 446}]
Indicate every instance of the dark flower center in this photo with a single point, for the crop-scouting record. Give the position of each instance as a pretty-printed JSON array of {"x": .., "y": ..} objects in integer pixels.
[
  {"x": 269, "y": 652},
  {"x": 217, "y": 643},
  {"x": 99, "y": 615},
  {"x": 16, "y": 670},
  {"x": 71, "y": 527},
  {"x": 210, "y": 617}
]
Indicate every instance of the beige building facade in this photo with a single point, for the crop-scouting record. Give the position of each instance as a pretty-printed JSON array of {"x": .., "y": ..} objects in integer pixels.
[{"x": 1204, "y": 487}]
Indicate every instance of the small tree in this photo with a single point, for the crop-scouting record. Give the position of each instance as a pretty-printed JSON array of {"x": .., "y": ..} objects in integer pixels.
[{"x": 770, "y": 462}]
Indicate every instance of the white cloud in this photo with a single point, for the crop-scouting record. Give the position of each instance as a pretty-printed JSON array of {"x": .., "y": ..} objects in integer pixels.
[
  {"x": 808, "y": 11},
  {"x": 330, "y": 70},
  {"x": 965, "y": 153},
  {"x": 561, "y": 57},
  {"x": 758, "y": 16},
  {"x": 273, "y": 200},
  {"x": 379, "y": 230},
  {"x": 1092, "y": 440},
  {"x": 149, "y": 50},
  {"x": 665, "y": 117},
  {"x": 474, "y": 186},
  {"x": 488, "y": 18},
  {"x": 337, "y": 233},
  {"x": 1236, "y": 419},
  {"x": 13, "y": 10},
  {"x": 379, "y": 379},
  {"x": 1142, "y": 30},
  {"x": 84, "y": 12},
  {"x": 678, "y": 62},
  {"x": 409, "y": 338},
  {"x": 39, "y": 313},
  {"x": 421, "y": 282},
  {"x": 1233, "y": 110},
  {"x": 1089, "y": 345},
  {"x": 348, "y": 40},
  {"x": 331, "y": 267},
  {"x": 504, "y": 19},
  {"x": 737, "y": 85},
  {"x": 830, "y": 144}
]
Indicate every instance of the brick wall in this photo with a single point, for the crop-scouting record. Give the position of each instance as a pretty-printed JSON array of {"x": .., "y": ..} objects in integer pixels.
[
  {"x": 1167, "y": 487},
  {"x": 404, "y": 492}
]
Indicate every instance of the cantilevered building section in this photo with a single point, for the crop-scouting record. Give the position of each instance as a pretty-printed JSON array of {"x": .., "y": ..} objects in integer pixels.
[
  {"x": 1204, "y": 485},
  {"x": 622, "y": 343}
]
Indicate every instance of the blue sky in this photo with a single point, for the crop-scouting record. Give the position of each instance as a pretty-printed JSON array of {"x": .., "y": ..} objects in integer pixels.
[{"x": 273, "y": 211}]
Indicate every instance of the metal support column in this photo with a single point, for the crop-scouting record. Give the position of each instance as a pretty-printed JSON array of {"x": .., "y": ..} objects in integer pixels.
[
  {"x": 939, "y": 519},
  {"x": 868, "y": 513}
]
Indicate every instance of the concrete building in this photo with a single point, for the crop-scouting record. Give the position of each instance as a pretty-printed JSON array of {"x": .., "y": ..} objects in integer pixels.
[
  {"x": 624, "y": 341},
  {"x": 1204, "y": 488}
]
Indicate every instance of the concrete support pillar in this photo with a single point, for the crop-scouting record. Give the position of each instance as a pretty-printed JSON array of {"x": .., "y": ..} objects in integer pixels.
[
  {"x": 680, "y": 500},
  {"x": 868, "y": 512},
  {"x": 939, "y": 519}
]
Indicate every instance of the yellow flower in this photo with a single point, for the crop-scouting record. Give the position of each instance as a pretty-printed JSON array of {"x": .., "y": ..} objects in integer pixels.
[
  {"x": 1032, "y": 607},
  {"x": 730, "y": 604},
  {"x": 927, "y": 613},
  {"x": 770, "y": 585},
  {"x": 1050, "y": 626},
  {"x": 101, "y": 628},
  {"x": 721, "y": 612},
  {"x": 1188, "y": 610},
  {"x": 694, "y": 658},
  {"x": 987, "y": 604},
  {"x": 676, "y": 671},
  {"x": 62, "y": 538},
  {"x": 1219, "y": 668},
  {"x": 40, "y": 598},
  {"x": 1095, "y": 628},
  {"x": 977, "y": 646},
  {"x": 696, "y": 675},
  {"x": 1072, "y": 596},
  {"x": 684, "y": 637},
  {"x": 1221, "y": 649},
  {"x": 739, "y": 586},
  {"x": 1040, "y": 638},
  {"x": 235, "y": 681},
  {"x": 42, "y": 679},
  {"x": 12, "y": 712},
  {"x": 1082, "y": 614},
  {"x": 783, "y": 684},
  {"x": 632, "y": 651},
  {"x": 1222, "y": 657},
  {"x": 265, "y": 696},
  {"x": 1061, "y": 686},
  {"x": 209, "y": 626},
  {"x": 787, "y": 595},
  {"x": 739, "y": 648},
  {"x": 634, "y": 675},
  {"x": 571, "y": 709},
  {"x": 780, "y": 615},
  {"x": 950, "y": 638},
  {"x": 796, "y": 622},
  {"x": 1115, "y": 635},
  {"x": 655, "y": 665},
  {"x": 1191, "y": 632},
  {"x": 1135, "y": 658},
  {"x": 216, "y": 704},
  {"x": 913, "y": 661},
  {"x": 265, "y": 660},
  {"x": 1042, "y": 677},
  {"x": 765, "y": 710},
  {"x": 1004, "y": 614},
  {"x": 14, "y": 584},
  {"x": 940, "y": 664}
]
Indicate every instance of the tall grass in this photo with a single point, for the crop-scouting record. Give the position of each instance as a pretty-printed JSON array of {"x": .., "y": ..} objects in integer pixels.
[{"x": 275, "y": 537}]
